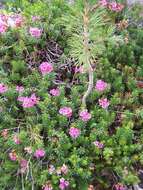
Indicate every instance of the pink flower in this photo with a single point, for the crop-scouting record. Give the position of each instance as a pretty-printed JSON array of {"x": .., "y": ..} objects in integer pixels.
[
  {"x": 15, "y": 21},
  {"x": 34, "y": 99},
  {"x": 63, "y": 184},
  {"x": 98, "y": 144},
  {"x": 4, "y": 133},
  {"x": 66, "y": 111},
  {"x": 120, "y": 186},
  {"x": 117, "y": 7},
  {"x": 19, "y": 89},
  {"x": 3, "y": 18},
  {"x": 39, "y": 153},
  {"x": 46, "y": 68},
  {"x": 64, "y": 169},
  {"x": 35, "y": 32},
  {"x": 23, "y": 165},
  {"x": 55, "y": 92},
  {"x": 104, "y": 103},
  {"x": 47, "y": 187},
  {"x": 74, "y": 132},
  {"x": 16, "y": 139},
  {"x": 103, "y": 3},
  {"x": 28, "y": 102},
  {"x": 85, "y": 115},
  {"x": 28, "y": 150},
  {"x": 35, "y": 18},
  {"x": 100, "y": 85},
  {"x": 3, "y": 27},
  {"x": 21, "y": 98},
  {"x": 3, "y": 88},
  {"x": 18, "y": 21},
  {"x": 13, "y": 156}
]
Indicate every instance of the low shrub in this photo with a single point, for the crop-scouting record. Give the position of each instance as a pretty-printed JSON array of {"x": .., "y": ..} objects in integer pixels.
[{"x": 50, "y": 139}]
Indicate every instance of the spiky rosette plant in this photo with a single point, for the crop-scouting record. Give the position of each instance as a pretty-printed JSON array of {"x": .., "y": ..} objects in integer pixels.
[{"x": 89, "y": 27}]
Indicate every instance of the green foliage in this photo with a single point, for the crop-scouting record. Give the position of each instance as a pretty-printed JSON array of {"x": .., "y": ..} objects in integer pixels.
[
  {"x": 99, "y": 30},
  {"x": 118, "y": 128}
]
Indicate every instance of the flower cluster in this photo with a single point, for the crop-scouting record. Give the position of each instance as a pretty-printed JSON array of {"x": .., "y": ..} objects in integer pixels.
[
  {"x": 19, "y": 89},
  {"x": 120, "y": 186},
  {"x": 100, "y": 85},
  {"x": 23, "y": 165},
  {"x": 13, "y": 21},
  {"x": 74, "y": 132},
  {"x": 39, "y": 153},
  {"x": 28, "y": 102},
  {"x": 3, "y": 27},
  {"x": 66, "y": 111},
  {"x": 113, "y": 6},
  {"x": 103, "y": 2},
  {"x": 45, "y": 68},
  {"x": 3, "y": 88},
  {"x": 104, "y": 103},
  {"x": 47, "y": 187},
  {"x": 55, "y": 92},
  {"x": 13, "y": 156},
  {"x": 49, "y": 139},
  {"x": 36, "y": 18},
  {"x": 4, "y": 133},
  {"x": 98, "y": 144},
  {"x": 63, "y": 184},
  {"x": 3, "y": 23},
  {"x": 35, "y": 32},
  {"x": 64, "y": 169},
  {"x": 85, "y": 115},
  {"x": 16, "y": 139},
  {"x": 16, "y": 21}
]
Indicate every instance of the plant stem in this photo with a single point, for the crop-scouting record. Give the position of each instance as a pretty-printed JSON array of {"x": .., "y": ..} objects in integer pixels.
[
  {"x": 22, "y": 182},
  {"x": 87, "y": 54},
  {"x": 90, "y": 87}
]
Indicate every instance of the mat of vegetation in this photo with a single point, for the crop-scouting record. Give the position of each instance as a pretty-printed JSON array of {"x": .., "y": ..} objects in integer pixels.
[{"x": 71, "y": 95}]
